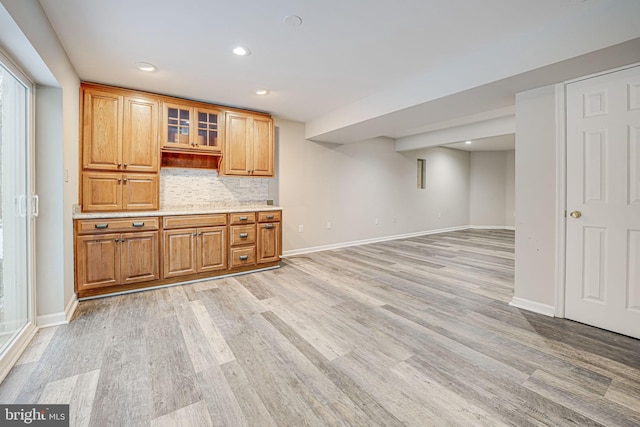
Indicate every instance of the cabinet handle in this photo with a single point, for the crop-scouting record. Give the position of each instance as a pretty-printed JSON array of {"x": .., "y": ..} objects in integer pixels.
[
  {"x": 243, "y": 218},
  {"x": 101, "y": 226},
  {"x": 138, "y": 224},
  {"x": 269, "y": 216},
  {"x": 244, "y": 257},
  {"x": 243, "y": 235},
  {"x": 122, "y": 240},
  {"x": 268, "y": 226}
]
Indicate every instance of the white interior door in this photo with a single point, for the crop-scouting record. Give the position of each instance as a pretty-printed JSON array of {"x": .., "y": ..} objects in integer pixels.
[{"x": 603, "y": 201}]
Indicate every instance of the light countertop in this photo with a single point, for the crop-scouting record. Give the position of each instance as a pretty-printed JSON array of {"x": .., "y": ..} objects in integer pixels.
[{"x": 180, "y": 210}]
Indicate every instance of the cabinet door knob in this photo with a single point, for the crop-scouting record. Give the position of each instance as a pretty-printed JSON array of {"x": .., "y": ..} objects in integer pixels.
[
  {"x": 117, "y": 240},
  {"x": 125, "y": 165},
  {"x": 195, "y": 234},
  {"x": 122, "y": 240},
  {"x": 119, "y": 164},
  {"x": 125, "y": 180},
  {"x": 119, "y": 179}
]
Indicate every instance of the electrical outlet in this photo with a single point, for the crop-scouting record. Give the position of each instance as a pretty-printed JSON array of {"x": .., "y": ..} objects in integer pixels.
[
  {"x": 328, "y": 225},
  {"x": 300, "y": 228}
]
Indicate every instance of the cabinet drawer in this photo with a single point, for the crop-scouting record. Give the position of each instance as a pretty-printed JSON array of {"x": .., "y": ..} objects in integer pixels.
[
  {"x": 110, "y": 225},
  {"x": 187, "y": 221},
  {"x": 270, "y": 216},
  {"x": 243, "y": 234},
  {"x": 242, "y": 218},
  {"x": 242, "y": 256}
]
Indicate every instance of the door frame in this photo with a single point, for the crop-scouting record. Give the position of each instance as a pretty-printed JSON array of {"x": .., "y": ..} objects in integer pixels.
[
  {"x": 24, "y": 337},
  {"x": 561, "y": 185}
]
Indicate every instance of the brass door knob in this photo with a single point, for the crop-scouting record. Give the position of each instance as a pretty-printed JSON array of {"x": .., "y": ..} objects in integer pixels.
[{"x": 575, "y": 214}]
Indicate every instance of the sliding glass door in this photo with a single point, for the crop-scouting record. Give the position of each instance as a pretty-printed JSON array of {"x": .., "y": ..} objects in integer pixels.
[{"x": 16, "y": 208}]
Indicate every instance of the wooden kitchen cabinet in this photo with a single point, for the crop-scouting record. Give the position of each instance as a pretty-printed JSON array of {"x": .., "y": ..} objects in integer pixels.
[
  {"x": 269, "y": 237},
  {"x": 105, "y": 259},
  {"x": 196, "y": 249},
  {"x": 248, "y": 145},
  {"x": 119, "y": 131},
  {"x": 242, "y": 244},
  {"x": 191, "y": 127},
  {"x": 104, "y": 191},
  {"x": 115, "y": 254},
  {"x": 119, "y": 146}
]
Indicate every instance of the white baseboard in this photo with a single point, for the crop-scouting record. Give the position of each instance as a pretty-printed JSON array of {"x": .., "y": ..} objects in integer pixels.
[
  {"x": 369, "y": 241},
  {"x": 536, "y": 307},
  {"x": 492, "y": 227},
  {"x": 61, "y": 318}
]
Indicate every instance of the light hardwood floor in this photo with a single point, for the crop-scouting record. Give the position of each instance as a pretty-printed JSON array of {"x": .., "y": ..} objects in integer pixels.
[{"x": 414, "y": 332}]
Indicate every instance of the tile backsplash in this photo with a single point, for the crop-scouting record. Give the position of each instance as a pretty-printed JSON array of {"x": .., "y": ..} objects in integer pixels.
[{"x": 188, "y": 187}]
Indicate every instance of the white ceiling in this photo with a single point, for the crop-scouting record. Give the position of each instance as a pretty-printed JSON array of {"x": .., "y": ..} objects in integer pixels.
[
  {"x": 354, "y": 69},
  {"x": 494, "y": 143}
]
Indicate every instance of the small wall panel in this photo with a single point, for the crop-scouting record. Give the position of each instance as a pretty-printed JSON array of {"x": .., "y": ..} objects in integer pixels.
[
  {"x": 633, "y": 276},
  {"x": 633, "y": 93},
  {"x": 595, "y": 166},
  {"x": 595, "y": 103},
  {"x": 594, "y": 262},
  {"x": 633, "y": 155}
]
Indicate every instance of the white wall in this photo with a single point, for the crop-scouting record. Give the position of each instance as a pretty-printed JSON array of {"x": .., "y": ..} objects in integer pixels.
[
  {"x": 59, "y": 139},
  {"x": 352, "y": 185},
  {"x": 491, "y": 190},
  {"x": 536, "y": 206}
]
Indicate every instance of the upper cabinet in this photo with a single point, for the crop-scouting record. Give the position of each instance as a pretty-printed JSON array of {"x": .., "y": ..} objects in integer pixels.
[
  {"x": 119, "y": 131},
  {"x": 248, "y": 145},
  {"x": 191, "y": 127}
]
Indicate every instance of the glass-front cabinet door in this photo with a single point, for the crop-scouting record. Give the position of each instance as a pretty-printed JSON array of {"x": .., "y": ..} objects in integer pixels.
[
  {"x": 190, "y": 128},
  {"x": 207, "y": 131},
  {"x": 177, "y": 126}
]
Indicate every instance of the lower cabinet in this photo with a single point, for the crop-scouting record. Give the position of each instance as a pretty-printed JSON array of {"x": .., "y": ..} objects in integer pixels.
[
  {"x": 116, "y": 259},
  {"x": 123, "y": 253},
  {"x": 194, "y": 250},
  {"x": 269, "y": 237}
]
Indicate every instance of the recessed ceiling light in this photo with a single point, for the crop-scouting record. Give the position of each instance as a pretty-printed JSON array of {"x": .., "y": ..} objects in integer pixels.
[
  {"x": 241, "y": 51},
  {"x": 262, "y": 92},
  {"x": 467, "y": 142},
  {"x": 145, "y": 66},
  {"x": 292, "y": 20}
]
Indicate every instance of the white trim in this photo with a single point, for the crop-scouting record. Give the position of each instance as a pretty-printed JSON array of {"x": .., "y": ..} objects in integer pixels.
[
  {"x": 533, "y": 306},
  {"x": 71, "y": 307},
  {"x": 16, "y": 349},
  {"x": 492, "y": 227},
  {"x": 204, "y": 279},
  {"x": 54, "y": 319},
  {"x": 369, "y": 241},
  {"x": 561, "y": 198},
  {"x": 602, "y": 73},
  {"x": 62, "y": 318}
]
